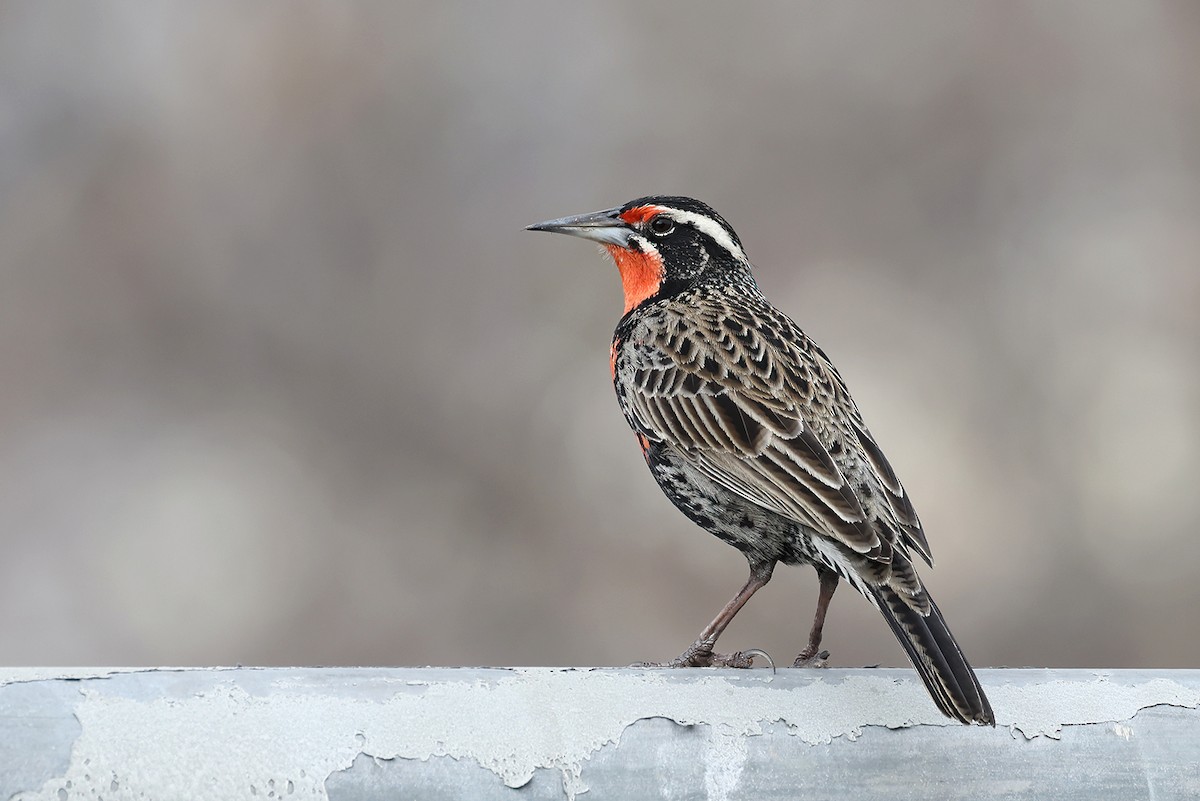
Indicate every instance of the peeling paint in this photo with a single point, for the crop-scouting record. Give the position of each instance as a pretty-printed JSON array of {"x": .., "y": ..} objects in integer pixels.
[
  {"x": 1043, "y": 709},
  {"x": 279, "y": 733}
]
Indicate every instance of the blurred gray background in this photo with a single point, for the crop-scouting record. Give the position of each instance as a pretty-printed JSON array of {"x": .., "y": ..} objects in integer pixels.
[{"x": 284, "y": 381}]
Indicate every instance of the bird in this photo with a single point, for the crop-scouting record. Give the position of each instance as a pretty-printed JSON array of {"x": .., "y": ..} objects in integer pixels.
[{"x": 751, "y": 432}]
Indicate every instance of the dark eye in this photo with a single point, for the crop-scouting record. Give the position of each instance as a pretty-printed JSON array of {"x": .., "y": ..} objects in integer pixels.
[{"x": 662, "y": 225}]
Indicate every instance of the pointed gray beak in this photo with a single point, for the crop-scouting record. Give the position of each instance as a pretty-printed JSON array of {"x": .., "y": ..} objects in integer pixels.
[{"x": 605, "y": 227}]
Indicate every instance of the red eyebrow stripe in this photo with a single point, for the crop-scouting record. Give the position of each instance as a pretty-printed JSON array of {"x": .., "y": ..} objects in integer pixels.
[{"x": 640, "y": 214}]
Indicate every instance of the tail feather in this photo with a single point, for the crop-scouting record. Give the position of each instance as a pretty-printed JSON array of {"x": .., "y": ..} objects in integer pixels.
[{"x": 936, "y": 656}]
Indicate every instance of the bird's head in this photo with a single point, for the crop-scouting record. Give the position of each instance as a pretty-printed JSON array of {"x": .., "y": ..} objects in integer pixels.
[{"x": 661, "y": 245}]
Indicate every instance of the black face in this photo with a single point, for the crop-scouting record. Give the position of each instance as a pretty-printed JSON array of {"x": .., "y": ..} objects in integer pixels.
[
  {"x": 684, "y": 204},
  {"x": 689, "y": 236}
]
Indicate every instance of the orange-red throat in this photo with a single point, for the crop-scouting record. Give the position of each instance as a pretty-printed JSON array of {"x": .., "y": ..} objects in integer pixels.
[{"x": 641, "y": 273}]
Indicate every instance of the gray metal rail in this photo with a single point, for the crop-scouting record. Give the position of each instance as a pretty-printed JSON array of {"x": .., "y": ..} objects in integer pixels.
[{"x": 542, "y": 733}]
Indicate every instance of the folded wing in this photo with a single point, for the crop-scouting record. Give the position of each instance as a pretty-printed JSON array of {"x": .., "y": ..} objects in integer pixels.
[{"x": 756, "y": 417}]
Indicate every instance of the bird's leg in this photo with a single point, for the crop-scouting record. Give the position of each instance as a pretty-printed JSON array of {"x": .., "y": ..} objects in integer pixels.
[
  {"x": 700, "y": 653},
  {"x": 811, "y": 656}
]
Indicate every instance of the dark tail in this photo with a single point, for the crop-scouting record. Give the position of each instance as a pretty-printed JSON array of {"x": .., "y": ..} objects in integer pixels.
[{"x": 937, "y": 658}]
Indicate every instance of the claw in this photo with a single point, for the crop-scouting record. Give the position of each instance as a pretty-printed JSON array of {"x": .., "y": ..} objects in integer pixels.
[
  {"x": 700, "y": 654},
  {"x": 751, "y": 653},
  {"x": 738, "y": 659},
  {"x": 817, "y": 660}
]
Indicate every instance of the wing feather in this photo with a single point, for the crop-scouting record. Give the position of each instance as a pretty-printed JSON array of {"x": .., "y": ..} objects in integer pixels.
[{"x": 735, "y": 405}]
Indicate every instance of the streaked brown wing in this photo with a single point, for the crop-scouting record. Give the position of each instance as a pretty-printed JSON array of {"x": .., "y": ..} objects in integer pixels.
[
  {"x": 736, "y": 409},
  {"x": 909, "y": 534}
]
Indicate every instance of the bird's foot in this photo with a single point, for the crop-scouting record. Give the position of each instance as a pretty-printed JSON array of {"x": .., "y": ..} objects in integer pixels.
[
  {"x": 811, "y": 660},
  {"x": 701, "y": 654}
]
